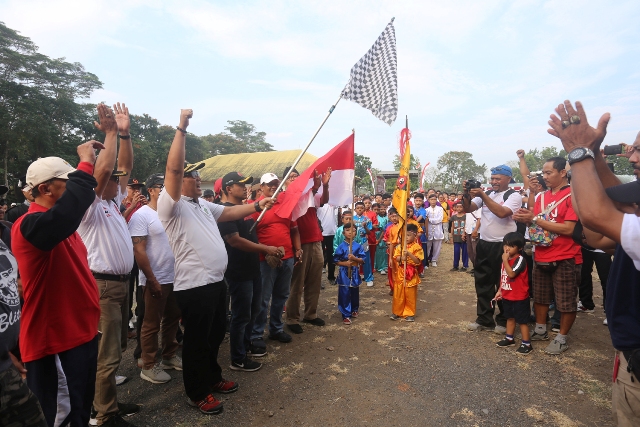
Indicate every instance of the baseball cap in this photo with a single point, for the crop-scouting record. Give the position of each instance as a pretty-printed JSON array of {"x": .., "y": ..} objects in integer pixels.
[
  {"x": 190, "y": 167},
  {"x": 46, "y": 168},
  {"x": 135, "y": 183},
  {"x": 502, "y": 170},
  {"x": 208, "y": 193},
  {"x": 625, "y": 193},
  {"x": 155, "y": 179},
  {"x": 217, "y": 186},
  {"x": 268, "y": 177},
  {"x": 235, "y": 178}
]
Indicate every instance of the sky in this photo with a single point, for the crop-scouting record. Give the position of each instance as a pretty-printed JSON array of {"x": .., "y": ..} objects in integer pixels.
[{"x": 476, "y": 76}]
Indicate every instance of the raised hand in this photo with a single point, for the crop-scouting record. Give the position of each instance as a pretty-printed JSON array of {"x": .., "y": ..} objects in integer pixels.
[
  {"x": 185, "y": 115},
  {"x": 87, "y": 151},
  {"x": 572, "y": 127},
  {"x": 106, "y": 120},
  {"x": 326, "y": 176},
  {"x": 520, "y": 154},
  {"x": 122, "y": 118}
]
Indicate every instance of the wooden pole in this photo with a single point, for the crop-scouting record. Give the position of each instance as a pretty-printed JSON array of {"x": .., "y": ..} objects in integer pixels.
[{"x": 404, "y": 231}]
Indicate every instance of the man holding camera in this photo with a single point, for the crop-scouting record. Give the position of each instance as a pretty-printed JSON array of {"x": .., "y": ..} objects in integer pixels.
[
  {"x": 611, "y": 222},
  {"x": 498, "y": 205}
]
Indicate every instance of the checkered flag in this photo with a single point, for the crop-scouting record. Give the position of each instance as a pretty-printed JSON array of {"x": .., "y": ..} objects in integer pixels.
[{"x": 374, "y": 79}]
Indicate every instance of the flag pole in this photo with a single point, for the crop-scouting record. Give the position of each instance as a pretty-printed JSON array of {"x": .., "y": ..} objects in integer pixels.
[
  {"x": 353, "y": 185},
  {"x": 297, "y": 160},
  {"x": 404, "y": 233}
]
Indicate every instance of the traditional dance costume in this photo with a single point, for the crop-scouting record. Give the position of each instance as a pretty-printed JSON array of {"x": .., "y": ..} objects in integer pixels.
[
  {"x": 348, "y": 279},
  {"x": 405, "y": 297}
]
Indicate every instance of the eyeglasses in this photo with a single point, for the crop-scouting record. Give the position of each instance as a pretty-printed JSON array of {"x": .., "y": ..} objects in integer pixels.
[
  {"x": 160, "y": 187},
  {"x": 192, "y": 174}
]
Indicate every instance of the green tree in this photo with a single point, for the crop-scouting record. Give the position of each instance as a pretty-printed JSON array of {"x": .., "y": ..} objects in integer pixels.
[
  {"x": 457, "y": 166},
  {"x": 414, "y": 164},
  {"x": 362, "y": 163},
  {"x": 621, "y": 165},
  {"x": 240, "y": 137}
]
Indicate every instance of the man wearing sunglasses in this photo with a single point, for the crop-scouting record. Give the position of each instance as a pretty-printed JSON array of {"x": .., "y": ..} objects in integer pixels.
[{"x": 191, "y": 224}]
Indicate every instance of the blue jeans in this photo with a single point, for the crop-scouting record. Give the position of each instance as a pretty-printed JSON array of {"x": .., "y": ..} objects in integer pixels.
[
  {"x": 275, "y": 287},
  {"x": 246, "y": 299}
]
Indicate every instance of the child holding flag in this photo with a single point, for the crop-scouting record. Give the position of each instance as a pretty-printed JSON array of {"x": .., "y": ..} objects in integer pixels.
[
  {"x": 349, "y": 256},
  {"x": 391, "y": 239},
  {"x": 407, "y": 279}
]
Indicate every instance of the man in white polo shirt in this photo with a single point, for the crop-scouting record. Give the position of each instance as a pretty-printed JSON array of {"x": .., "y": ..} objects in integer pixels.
[
  {"x": 110, "y": 254},
  {"x": 201, "y": 260}
]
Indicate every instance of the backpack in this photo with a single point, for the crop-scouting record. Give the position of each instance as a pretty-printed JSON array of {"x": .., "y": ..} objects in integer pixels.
[{"x": 520, "y": 227}]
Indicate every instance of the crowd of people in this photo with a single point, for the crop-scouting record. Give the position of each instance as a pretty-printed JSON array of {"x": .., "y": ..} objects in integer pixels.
[{"x": 86, "y": 240}]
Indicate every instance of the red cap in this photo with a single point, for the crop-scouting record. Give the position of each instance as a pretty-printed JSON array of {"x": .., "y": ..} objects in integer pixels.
[{"x": 217, "y": 186}]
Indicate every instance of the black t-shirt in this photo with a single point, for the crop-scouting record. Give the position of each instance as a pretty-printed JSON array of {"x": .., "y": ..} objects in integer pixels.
[
  {"x": 623, "y": 302},
  {"x": 242, "y": 265}
]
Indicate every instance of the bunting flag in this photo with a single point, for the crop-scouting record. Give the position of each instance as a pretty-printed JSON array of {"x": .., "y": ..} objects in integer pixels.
[
  {"x": 373, "y": 184},
  {"x": 424, "y": 169},
  {"x": 374, "y": 78},
  {"x": 298, "y": 198}
]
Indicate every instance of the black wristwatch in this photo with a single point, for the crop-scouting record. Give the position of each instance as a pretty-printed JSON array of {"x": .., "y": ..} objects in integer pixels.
[
  {"x": 257, "y": 207},
  {"x": 578, "y": 154}
]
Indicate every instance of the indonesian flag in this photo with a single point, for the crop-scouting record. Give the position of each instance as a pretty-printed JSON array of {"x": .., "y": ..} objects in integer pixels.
[{"x": 298, "y": 197}]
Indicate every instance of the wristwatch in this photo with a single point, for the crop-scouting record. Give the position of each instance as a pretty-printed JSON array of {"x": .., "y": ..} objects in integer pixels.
[{"x": 578, "y": 154}]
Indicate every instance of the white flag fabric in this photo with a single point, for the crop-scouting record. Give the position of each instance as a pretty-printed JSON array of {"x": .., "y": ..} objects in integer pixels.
[{"x": 374, "y": 79}]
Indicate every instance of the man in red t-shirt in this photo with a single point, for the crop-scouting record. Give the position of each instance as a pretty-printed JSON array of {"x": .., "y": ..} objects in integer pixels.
[
  {"x": 307, "y": 274},
  {"x": 554, "y": 271}
]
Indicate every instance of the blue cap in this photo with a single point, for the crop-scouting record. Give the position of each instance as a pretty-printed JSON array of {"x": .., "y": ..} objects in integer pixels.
[{"x": 502, "y": 170}]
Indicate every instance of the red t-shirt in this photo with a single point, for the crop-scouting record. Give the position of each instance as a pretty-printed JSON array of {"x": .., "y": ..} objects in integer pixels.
[
  {"x": 275, "y": 231},
  {"x": 563, "y": 247},
  {"x": 516, "y": 289},
  {"x": 371, "y": 234},
  {"x": 309, "y": 228}
]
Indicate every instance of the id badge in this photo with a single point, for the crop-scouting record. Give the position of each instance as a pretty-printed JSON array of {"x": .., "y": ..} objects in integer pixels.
[{"x": 616, "y": 366}]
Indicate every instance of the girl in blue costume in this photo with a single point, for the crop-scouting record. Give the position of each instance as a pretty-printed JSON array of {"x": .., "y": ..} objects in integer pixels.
[{"x": 349, "y": 255}]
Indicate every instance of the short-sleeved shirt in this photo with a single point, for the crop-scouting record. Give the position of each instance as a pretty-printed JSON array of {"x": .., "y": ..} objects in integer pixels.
[
  {"x": 192, "y": 228},
  {"x": 471, "y": 220},
  {"x": 457, "y": 228},
  {"x": 105, "y": 233},
  {"x": 492, "y": 227},
  {"x": 309, "y": 227},
  {"x": 421, "y": 212},
  {"x": 243, "y": 265},
  {"x": 516, "y": 288},
  {"x": 363, "y": 226},
  {"x": 563, "y": 247},
  {"x": 328, "y": 216},
  {"x": 275, "y": 231},
  {"x": 145, "y": 222},
  {"x": 630, "y": 237}
]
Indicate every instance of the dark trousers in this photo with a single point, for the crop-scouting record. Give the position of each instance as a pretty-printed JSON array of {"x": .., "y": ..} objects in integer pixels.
[
  {"x": 460, "y": 251},
  {"x": 603, "y": 266},
  {"x": 246, "y": 299},
  {"x": 133, "y": 285},
  {"x": 203, "y": 316},
  {"x": 79, "y": 365},
  {"x": 327, "y": 250},
  {"x": 487, "y": 279},
  {"x": 137, "y": 353}
]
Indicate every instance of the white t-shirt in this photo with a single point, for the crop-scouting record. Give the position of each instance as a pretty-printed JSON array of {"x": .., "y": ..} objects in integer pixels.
[
  {"x": 493, "y": 228},
  {"x": 145, "y": 222},
  {"x": 328, "y": 216},
  {"x": 105, "y": 234},
  {"x": 471, "y": 220},
  {"x": 201, "y": 257},
  {"x": 630, "y": 237}
]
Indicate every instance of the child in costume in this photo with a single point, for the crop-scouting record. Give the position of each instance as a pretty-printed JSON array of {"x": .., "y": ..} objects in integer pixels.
[
  {"x": 363, "y": 227},
  {"x": 405, "y": 290},
  {"x": 349, "y": 256},
  {"x": 435, "y": 234},
  {"x": 391, "y": 239},
  {"x": 381, "y": 253},
  {"x": 339, "y": 237}
]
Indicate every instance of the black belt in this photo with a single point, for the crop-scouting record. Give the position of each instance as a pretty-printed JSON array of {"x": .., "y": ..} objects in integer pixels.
[{"x": 114, "y": 277}]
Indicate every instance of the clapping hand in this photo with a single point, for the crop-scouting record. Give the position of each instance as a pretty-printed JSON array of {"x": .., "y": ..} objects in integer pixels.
[
  {"x": 122, "y": 118},
  {"x": 106, "y": 120},
  {"x": 572, "y": 127}
]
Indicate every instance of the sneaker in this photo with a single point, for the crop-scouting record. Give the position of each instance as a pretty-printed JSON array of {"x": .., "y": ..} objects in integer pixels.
[
  {"x": 332, "y": 282},
  {"x": 246, "y": 365},
  {"x": 155, "y": 375},
  {"x": 505, "y": 342},
  {"x": 127, "y": 409},
  {"x": 604, "y": 322},
  {"x": 383, "y": 272},
  {"x": 556, "y": 347},
  {"x": 174, "y": 363},
  {"x": 462, "y": 269},
  {"x": 346, "y": 321},
  {"x": 316, "y": 322},
  {"x": 539, "y": 337},
  {"x": 555, "y": 328},
  {"x": 354, "y": 314},
  {"x": 92, "y": 417},
  {"x": 478, "y": 327},
  {"x": 583, "y": 309},
  {"x": 295, "y": 328},
  {"x": 209, "y": 405},
  {"x": 369, "y": 284},
  {"x": 391, "y": 292},
  {"x": 120, "y": 379},
  {"x": 434, "y": 264},
  {"x": 524, "y": 349},
  {"x": 409, "y": 319},
  {"x": 256, "y": 351},
  {"x": 281, "y": 336},
  {"x": 117, "y": 421},
  {"x": 500, "y": 330},
  {"x": 455, "y": 269},
  {"x": 394, "y": 317},
  {"x": 225, "y": 387}
]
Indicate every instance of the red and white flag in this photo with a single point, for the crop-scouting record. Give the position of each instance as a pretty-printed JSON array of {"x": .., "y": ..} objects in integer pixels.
[{"x": 298, "y": 198}]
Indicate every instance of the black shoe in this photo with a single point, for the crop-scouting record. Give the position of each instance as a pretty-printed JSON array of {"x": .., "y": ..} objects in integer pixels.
[
  {"x": 317, "y": 321},
  {"x": 246, "y": 365},
  {"x": 281, "y": 336},
  {"x": 455, "y": 269},
  {"x": 256, "y": 351},
  {"x": 462, "y": 269},
  {"x": 128, "y": 409},
  {"x": 506, "y": 343},
  {"x": 524, "y": 349},
  {"x": 295, "y": 328},
  {"x": 117, "y": 421}
]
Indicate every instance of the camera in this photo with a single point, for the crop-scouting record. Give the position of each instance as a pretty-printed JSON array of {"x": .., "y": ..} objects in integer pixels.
[
  {"x": 472, "y": 183},
  {"x": 610, "y": 150}
]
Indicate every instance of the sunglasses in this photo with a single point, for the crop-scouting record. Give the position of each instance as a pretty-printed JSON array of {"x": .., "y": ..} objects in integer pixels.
[{"x": 192, "y": 174}]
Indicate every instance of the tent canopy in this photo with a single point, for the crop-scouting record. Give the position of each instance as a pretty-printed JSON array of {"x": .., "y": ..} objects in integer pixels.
[{"x": 253, "y": 164}]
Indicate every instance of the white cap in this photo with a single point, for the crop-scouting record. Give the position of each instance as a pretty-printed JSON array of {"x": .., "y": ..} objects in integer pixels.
[
  {"x": 46, "y": 168},
  {"x": 268, "y": 177}
]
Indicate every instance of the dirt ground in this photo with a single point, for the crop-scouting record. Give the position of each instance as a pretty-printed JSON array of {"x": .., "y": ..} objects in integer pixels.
[{"x": 378, "y": 372}]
